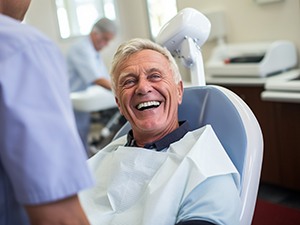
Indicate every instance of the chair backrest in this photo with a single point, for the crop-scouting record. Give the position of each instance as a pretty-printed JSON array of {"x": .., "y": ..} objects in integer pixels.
[{"x": 237, "y": 129}]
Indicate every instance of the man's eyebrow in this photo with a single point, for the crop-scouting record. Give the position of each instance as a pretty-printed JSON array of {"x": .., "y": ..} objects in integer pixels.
[
  {"x": 125, "y": 75},
  {"x": 150, "y": 70}
]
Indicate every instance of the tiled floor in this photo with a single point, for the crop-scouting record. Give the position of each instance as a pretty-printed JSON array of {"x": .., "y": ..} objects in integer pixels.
[{"x": 279, "y": 195}]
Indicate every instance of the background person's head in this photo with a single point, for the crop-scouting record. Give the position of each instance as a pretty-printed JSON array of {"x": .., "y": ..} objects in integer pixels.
[
  {"x": 148, "y": 88},
  {"x": 103, "y": 31},
  {"x": 14, "y": 8}
]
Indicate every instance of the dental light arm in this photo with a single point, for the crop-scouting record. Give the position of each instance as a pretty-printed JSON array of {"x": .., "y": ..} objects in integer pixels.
[
  {"x": 183, "y": 36},
  {"x": 191, "y": 58}
]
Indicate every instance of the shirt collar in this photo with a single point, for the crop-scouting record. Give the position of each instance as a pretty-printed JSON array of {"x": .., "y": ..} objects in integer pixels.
[{"x": 164, "y": 142}]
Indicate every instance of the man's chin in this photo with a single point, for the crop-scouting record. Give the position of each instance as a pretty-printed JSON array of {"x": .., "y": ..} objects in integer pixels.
[{"x": 150, "y": 127}]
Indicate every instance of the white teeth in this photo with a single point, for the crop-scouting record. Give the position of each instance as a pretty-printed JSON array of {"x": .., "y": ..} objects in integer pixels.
[{"x": 148, "y": 104}]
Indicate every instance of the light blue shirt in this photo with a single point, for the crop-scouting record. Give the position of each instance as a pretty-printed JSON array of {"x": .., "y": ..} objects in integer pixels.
[
  {"x": 216, "y": 200},
  {"x": 41, "y": 156},
  {"x": 85, "y": 65}
]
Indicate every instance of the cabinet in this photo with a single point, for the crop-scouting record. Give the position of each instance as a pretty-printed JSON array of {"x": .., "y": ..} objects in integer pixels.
[
  {"x": 280, "y": 124},
  {"x": 287, "y": 122}
]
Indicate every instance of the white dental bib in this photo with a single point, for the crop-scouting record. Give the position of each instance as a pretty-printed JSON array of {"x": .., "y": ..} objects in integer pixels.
[{"x": 137, "y": 186}]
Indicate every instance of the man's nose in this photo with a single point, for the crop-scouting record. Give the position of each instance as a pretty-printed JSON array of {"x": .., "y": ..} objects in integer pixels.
[{"x": 143, "y": 87}]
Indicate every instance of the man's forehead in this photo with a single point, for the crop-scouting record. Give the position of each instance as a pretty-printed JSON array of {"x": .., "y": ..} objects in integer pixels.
[
  {"x": 146, "y": 57},
  {"x": 146, "y": 60}
]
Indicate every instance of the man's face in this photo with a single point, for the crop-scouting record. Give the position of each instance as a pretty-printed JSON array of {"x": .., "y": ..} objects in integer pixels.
[
  {"x": 147, "y": 95},
  {"x": 14, "y": 8},
  {"x": 100, "y": 40}
]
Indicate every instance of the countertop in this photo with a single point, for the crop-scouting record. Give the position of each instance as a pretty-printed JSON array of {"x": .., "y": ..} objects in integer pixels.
[
  {"x": 244, "y": 81},
  {"x": 281, "y": 87}
]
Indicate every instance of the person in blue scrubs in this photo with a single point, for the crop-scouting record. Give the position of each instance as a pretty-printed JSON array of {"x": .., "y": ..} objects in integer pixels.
[
  {"x": 42, "y": 160},
  {"x": 86, "y": 67}
]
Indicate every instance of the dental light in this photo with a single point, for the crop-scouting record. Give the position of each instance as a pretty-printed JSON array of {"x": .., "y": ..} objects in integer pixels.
[{"x": 183, "y": 36}]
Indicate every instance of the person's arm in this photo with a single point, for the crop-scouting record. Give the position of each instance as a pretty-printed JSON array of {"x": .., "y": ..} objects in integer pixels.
[
  {"x": 103, "y": 83},
  {"x": 63, "y": 212}
]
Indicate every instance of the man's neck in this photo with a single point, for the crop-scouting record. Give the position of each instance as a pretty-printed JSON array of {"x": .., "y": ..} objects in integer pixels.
[
  {"x": 163, "y": 142},
  {"x": 144, "y": 138}
]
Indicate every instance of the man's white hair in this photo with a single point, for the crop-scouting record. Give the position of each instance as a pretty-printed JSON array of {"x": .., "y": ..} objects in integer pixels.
[{"x": 128, "y": 48}]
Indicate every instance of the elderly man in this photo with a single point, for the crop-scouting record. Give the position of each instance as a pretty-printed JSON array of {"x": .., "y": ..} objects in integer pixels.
[
  {"x": 87, "y": 68},
  {"x": 161, "y": 173}
]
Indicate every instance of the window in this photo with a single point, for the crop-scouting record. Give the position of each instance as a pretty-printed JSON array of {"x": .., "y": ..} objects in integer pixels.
[
  {"x": 160, "y": 12},
  {"x": 76, "y": 17}
]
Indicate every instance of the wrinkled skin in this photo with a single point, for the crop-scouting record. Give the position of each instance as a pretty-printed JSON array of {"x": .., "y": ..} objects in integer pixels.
[{"x": 145, "y": 77}]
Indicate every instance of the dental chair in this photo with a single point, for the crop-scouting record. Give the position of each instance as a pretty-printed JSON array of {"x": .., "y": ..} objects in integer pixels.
[{"x": 230, "y": 117}]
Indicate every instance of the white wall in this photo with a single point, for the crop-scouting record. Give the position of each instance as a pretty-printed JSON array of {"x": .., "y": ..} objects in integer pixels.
[
  {"x": 248, "y": 21},
  {"x": 133, "y": 22},
  {"x": 245, "y": 21}
]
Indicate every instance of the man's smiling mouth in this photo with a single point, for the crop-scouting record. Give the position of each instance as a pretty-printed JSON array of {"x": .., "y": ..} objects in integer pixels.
[{"x": 148, "y": 105}]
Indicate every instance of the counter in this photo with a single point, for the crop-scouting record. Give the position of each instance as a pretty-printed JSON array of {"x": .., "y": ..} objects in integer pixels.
[
  {"x": 236, "y": 81},
  {"x": 283, "y": 88},
  {"x": 279, "y": 120}
]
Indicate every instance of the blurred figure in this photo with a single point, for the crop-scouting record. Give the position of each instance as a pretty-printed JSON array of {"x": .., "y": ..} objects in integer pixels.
[
  {"x": 42, "y": 160},
  {"x": 87, "y": 68}
]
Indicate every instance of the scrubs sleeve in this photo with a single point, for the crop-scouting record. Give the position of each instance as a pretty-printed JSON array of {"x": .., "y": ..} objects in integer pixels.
[
  {"x": 87, "y": 63},
  {"x": 40, "y": 149},
  {"x": 216, "y": 200}
]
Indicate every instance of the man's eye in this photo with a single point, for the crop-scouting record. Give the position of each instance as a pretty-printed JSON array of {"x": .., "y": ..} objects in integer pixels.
[
  {"x": 155, "y": 76},
  {"x": 128, "y": 83}
]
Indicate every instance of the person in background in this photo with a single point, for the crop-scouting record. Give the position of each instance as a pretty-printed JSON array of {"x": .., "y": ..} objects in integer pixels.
[
  {"x": 42, "y": 160},
  {"x": 161, "y": 172},
  {"x": 86, "y": 67}
]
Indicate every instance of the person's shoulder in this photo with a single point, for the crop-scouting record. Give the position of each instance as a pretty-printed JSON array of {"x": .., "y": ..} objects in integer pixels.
[
  {"x": 80, "y": 45},
  {"x": 18, "y": 36}
]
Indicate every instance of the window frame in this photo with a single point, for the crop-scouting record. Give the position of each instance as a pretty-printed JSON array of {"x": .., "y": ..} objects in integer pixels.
[
  {"x": 151, "y": 20},
  {"x": 72, "y": 20}
]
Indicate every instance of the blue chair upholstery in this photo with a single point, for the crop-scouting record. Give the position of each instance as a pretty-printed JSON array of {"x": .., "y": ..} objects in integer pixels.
[
  {"x": 237, "y": 129},
  {"x": 208, "y": 105}
]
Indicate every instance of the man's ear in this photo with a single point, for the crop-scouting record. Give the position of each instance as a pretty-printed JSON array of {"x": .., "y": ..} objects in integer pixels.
[
  {"x": 118, "y": 104},
  {"x": 180, "y": 91}
]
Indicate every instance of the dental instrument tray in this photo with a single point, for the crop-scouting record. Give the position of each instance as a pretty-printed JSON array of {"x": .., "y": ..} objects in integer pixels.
[{"x": 259, "y": 59}]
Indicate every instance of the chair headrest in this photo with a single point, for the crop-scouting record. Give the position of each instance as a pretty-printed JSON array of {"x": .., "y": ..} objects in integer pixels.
[{"x": 208, "y": 105}]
